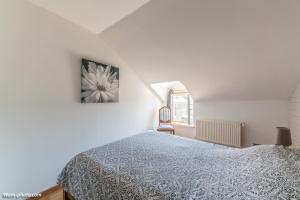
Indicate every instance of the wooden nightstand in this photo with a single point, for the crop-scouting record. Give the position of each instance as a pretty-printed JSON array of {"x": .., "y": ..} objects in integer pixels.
[{"x": 54, "y": 193}]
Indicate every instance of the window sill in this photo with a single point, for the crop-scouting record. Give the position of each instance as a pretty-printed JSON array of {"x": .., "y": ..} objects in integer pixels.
[{"x": 183, "y": 125}]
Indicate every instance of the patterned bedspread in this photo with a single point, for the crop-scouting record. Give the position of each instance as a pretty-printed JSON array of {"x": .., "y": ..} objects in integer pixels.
[{"x": 160, "y": 166}]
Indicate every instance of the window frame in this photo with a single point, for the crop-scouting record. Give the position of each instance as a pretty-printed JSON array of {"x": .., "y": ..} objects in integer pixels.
[{"x": 189, "y": 109}]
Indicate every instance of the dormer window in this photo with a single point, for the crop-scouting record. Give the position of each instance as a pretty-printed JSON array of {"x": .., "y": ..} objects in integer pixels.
[{"x": 182, "y": 108}]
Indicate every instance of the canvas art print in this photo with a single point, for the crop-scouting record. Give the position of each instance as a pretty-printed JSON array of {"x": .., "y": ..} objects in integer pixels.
[{"x": 99, "y": 82}]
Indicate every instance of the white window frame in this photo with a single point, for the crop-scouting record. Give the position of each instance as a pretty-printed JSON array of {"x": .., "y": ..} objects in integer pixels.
[{"x": 189, "y": 114}]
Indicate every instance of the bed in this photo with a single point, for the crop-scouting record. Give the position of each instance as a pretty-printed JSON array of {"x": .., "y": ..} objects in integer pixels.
[{"x": 159, "y": 166}]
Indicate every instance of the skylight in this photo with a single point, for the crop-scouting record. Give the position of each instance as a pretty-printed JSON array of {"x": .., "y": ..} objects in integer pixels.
[{"x": 163, "y": 88}]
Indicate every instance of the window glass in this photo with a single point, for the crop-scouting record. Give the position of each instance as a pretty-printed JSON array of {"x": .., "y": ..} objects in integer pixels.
[
  {"x": 191, "y": 107},
  {"x": 182, "y": 108}
]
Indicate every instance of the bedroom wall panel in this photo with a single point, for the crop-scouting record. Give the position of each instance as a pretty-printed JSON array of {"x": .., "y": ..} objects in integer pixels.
[
  {"x": 294, "y": 116},
  {"x": 42, "y": 122},
  {"x": 261, "y": 117},
  {"x": 185, "y": 131}
]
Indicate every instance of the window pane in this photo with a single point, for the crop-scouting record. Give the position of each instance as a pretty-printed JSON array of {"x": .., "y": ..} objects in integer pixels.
[
  {"x": 191, "y": 107},
  {"x": 180, "y": 106}
]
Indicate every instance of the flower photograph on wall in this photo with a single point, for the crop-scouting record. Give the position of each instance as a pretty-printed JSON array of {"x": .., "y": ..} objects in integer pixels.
[{"x": 99, "y": 82}]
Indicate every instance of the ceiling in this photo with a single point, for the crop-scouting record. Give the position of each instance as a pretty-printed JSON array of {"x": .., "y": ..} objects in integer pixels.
[
  {"x": 233, "y": 49},
  {"x": 94, "y": 15}
]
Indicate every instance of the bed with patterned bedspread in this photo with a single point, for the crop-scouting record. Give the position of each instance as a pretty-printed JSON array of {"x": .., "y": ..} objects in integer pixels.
[{"x": 159, "y": 166}]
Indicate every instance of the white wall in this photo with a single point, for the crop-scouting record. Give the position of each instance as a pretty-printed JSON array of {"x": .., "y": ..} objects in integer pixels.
[
  {"x": 294, "y": 116},
  {"x": 185, "y": 131},
  {"x": 261, "y": 117},
  {"x": 42, "y": 123}
]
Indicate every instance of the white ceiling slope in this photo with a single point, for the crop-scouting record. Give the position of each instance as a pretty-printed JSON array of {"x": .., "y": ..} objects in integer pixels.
[
  {"x": 94, "y": 15},
  {"x": 233, "y": 49}
]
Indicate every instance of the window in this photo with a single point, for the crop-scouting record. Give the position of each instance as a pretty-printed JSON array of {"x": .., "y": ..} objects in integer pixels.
[{"x": 182, "y": 108}]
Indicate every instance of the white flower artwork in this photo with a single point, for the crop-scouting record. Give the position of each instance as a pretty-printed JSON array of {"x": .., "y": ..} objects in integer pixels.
[{"x": 99, "y": 82}]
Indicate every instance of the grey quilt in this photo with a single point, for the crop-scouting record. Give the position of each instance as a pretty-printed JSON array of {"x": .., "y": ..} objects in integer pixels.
[{"x": 161, "y": 166}]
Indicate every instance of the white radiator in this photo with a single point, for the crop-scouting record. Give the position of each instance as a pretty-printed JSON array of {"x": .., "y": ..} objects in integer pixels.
[{"x": 220, "y": 131}]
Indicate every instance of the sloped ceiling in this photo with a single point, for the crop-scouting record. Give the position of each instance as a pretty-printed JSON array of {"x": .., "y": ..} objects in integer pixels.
[
  {"x": 94, "y": 15},
  {"x": 233, "y": 49}
]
